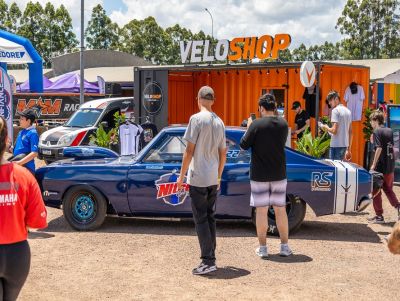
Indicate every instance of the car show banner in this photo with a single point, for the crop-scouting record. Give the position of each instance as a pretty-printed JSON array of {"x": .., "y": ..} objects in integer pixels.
[
  {"x": 6, "y": 100},
  {"x": 49, "y": 106}
]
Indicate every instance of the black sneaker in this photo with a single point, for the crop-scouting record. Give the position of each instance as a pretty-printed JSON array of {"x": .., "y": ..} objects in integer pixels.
[
  {"x": 204, "y": 269},
  {"x": 377, "y": 219}
]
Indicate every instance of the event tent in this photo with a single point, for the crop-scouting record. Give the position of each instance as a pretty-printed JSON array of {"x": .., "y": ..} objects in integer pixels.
[
  {"x": 70, "y": 83},
  {"x": 25, "y": 88}
]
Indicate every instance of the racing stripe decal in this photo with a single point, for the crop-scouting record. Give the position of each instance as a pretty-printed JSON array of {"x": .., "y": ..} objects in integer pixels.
[
  {"x": 340, "y": 198},
  {"x": 351, "y": 187}
]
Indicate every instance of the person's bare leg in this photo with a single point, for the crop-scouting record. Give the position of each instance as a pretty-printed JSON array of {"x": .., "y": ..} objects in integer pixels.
[
  {"x": 262, "y": 224},
  {"x": 282, "y": 223}
]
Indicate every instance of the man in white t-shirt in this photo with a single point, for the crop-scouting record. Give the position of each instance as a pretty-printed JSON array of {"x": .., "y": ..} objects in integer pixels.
[
  {"x": 129, "y": 134},
  {"x": 341, "y": 132},
  {"x": 354, "y": 97}
]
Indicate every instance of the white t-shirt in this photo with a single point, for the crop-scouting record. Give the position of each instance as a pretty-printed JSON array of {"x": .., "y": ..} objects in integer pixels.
[
  {"x": 355, "y": 102},
  {"x": 342, "y": 116},
  {"x": 129, "y": 135}
]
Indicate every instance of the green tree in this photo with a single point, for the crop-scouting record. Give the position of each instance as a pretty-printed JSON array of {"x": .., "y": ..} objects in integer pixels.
[
  {"x": 101, "y": 32},
  {"x": 370, "y": 28},
  {"x": 329, "y": 51},
  {"x": 146, "y": 39},
  {"x": 33, "y": 26},
  {"x": 13, "y": 18},
  {"x": 300, "y": 53},
  {"x": 66, "y": 39},
  {"x": 285, "y": 55},
  {"x": 3, "y": 14},
  {"x": 176, "y": 34}
]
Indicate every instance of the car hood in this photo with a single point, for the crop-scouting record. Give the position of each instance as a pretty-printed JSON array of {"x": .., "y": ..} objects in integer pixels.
[
  {"x": 56, "y": 133},
  {"x": 124, "y": 160}
]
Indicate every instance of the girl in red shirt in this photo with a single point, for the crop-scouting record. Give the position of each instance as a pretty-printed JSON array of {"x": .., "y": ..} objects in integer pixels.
[{"x": 21, "y": 206}]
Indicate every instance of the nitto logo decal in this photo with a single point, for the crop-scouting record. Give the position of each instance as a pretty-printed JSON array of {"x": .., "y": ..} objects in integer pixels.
[
  {"x": 167, "y": 189},
  {"x": 320, "y": 181}
]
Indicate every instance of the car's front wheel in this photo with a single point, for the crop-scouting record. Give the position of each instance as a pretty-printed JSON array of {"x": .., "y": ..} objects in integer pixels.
[
  {"x": 84, "y": 208},
  {"x": 296, "y": 211}
]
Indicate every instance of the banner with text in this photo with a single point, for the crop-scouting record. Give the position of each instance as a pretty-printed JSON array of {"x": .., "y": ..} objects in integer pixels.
[
  {"x": 6, "y": 100},
  {"x": 49, "y": 106}
]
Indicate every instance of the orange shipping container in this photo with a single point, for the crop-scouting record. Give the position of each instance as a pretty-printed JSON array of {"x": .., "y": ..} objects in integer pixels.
[{"x": 238, "y": 87}]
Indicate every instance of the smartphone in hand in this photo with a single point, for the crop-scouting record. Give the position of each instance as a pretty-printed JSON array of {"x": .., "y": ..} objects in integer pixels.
[{"x": 253, "y": 116}]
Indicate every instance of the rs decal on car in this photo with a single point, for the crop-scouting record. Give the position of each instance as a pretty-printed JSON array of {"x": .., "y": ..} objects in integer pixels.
[
  {"x": 321, "y": 181},
  {"x": 167, "y": 189}
]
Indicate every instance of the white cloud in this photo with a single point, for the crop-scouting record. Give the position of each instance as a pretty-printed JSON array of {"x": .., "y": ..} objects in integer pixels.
[
  {"x": 310, "y": 22},
  {"x": 73, "y": 7}
]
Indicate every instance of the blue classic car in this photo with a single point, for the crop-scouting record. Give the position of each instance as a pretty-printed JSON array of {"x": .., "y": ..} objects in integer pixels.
[{"x": 95, "y": 182}]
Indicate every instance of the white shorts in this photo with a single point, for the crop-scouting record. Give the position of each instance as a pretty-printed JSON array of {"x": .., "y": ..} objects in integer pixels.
[{"x": 265, "y": 194}]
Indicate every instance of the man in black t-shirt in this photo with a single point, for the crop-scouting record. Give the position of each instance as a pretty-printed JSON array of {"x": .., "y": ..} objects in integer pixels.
[
  {"x": 302, "y": 120},
  {"x": 266, "y": 137},
  {"x": 384, "y": 163}
]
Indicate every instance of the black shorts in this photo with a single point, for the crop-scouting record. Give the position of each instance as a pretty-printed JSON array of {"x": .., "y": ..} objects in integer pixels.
[{"x": 15, "y": 261}]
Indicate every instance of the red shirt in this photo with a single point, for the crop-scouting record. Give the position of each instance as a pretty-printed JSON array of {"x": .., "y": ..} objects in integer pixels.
[{"x": 21, "y": 204}]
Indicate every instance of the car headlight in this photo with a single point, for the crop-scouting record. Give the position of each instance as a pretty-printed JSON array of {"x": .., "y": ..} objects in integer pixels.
[{"x": 66, "y": 140}]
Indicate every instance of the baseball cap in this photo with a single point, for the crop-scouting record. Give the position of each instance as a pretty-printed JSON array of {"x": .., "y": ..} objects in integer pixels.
[
  {"x": 206, "y": 92},
  {"x": 28, "y": 114},
  {"x": 296, "y": 105}
]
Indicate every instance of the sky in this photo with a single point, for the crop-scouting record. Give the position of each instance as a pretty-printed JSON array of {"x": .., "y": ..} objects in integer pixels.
[{"x": 309, "y": 22}]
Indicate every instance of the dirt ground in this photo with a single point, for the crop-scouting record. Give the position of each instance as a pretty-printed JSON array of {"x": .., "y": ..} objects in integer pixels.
[{"x": 337, "y": 257}]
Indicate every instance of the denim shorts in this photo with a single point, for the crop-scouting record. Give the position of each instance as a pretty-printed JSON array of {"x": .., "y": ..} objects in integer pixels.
[{"x": 337, "y": 153}]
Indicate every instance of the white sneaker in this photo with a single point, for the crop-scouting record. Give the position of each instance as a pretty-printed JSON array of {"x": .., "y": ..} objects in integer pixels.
[
  {"x": 204, "y": 269},
  {"x": 285, "y": 250},
  {"x": 262, "y": 252}
]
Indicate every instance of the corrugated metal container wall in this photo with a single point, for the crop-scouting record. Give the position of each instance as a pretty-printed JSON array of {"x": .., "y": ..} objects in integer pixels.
[{"x": 237, "y": 93}]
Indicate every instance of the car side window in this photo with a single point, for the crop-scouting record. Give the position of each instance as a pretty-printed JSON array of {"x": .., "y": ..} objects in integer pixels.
[
  {"x": 234, "y": 154},
  {"x": 169, "y": 150}
]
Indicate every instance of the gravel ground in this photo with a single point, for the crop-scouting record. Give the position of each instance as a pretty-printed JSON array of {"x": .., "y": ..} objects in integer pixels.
[{"x": 337, "y": 257}]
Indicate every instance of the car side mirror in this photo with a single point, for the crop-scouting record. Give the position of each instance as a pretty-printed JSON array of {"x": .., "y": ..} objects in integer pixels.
[{"x": 104, "y": 124}]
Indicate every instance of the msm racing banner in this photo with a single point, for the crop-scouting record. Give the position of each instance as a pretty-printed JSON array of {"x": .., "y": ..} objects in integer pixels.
[
  {"x": 6, "y": 100},
  {"x": 49, "y": 106}
]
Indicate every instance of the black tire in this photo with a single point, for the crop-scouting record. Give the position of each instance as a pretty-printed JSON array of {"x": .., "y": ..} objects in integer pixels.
[
  {"x": 84, "y": 208},
  {"x": 296, "y": 210}
]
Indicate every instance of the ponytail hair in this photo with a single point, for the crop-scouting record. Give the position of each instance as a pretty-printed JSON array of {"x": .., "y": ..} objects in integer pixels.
[{"x": 3, "y": 135}]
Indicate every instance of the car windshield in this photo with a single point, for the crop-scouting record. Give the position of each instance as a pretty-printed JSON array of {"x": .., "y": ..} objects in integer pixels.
[{"x": 84, "y": 118}]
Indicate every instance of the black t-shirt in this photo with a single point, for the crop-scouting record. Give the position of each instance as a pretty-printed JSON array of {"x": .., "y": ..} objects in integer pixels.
[
  {"x": 267, "y": 138},
  {"x": 310, "y": 99},
  {"x": 383, "y": 137},
  {"x": 149, "y": 132},
  {"x": 300, "y": 120}
]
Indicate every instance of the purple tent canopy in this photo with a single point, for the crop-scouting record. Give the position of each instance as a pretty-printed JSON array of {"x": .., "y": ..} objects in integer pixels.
[
  {"x": 70, "y": 82},
  {"x": 24, "y": 87}
]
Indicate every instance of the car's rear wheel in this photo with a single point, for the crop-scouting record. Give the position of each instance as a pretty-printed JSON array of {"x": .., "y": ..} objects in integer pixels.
[
  {"x": 296, "y": 211},
  {"x": 84, "y": 208}
]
